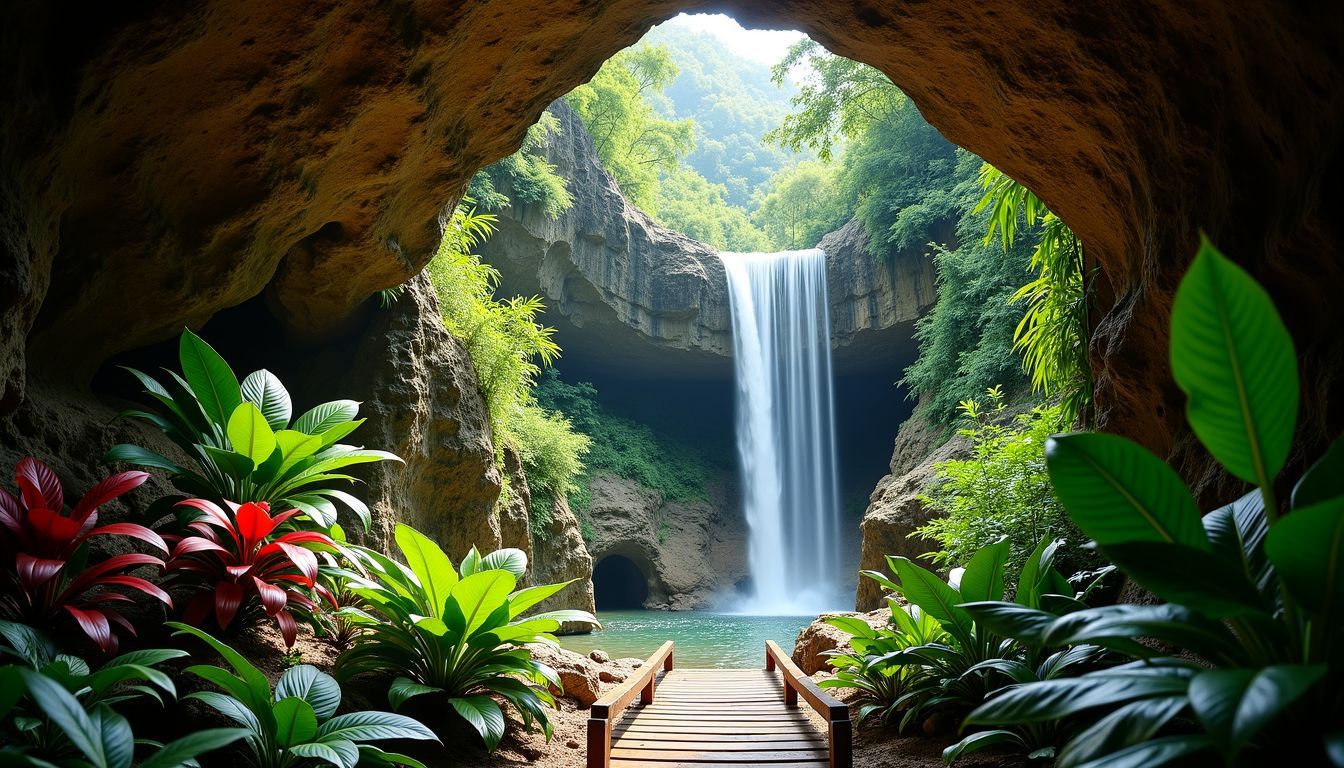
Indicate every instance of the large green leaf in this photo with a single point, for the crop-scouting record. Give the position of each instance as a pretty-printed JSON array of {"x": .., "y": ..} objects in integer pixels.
[
  {"x": 181, "y": 751},
  {"x": 983, "y": 740},
  {"x": 1011, "y": 620},
  {"x": 256, "y": 688},
  {"x": 373, "y": 726},
  {"x": 983, "y": 577},
  {"x": 295, "y": 722},
  {"x": 1168, "y": 750},
  {"x": 924, "y": 589},
  {"x": 1031, "y": 583},
  {"x": 1195, "y": 578},
  {"x": 1116, "y": 491},
  {"x": 143, "y": 457},
  {"x": 430, "y": 565},
  {"x": 250, "y": 434},
  {"x": 65, "y": 711},
  {"x": 115, "y": 734},
  {"x": 325, "y": 416},
  {"x": 323, "y": 752},
  {"x": 1235, "y": 704},
  {"x": 264, "y": 390},
  {"x": 1237, "y": 533},
  {"x": 524, "y": 599},
  {"x": 1234, "y": 358},
  {"x": 479, "y": 595},
  {"x": 312, "y": 685},
  {"x": 211, "y": 379},
  {"x": 484, "y": 715},
  {"x": 1307, "y": 549},
  {"x": 1324, "y": 480},
  {"x": 1057, "y": 699},
  {"x": 404, "y": 688},
  {"x": 512, "y": 560},
  {"x": 231, "y": 708},
  {"x": 1134, "y": 723}
]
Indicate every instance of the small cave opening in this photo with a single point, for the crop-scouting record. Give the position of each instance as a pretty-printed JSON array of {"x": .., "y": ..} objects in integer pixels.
[{"x": 619, "y": 585}]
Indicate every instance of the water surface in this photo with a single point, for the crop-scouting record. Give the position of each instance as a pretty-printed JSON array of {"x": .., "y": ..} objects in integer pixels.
[{"x": 703, "y": 640}]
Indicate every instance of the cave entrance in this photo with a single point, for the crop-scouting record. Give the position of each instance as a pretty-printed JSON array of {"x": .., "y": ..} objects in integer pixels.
[{"x": 619, "y": 585}]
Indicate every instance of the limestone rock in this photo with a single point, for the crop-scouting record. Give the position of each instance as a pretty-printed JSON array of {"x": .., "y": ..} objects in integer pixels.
[
  {"x": 619, "y": 285},
  {"x": 418, "y": 390},
  {"x": 894, "y": 508},
  {"x": 819, "y": 637},
  {"x": 560, "y": 554},
  {"x": 578, "y": 674},
  {"x": 600, "y": 656},
  {"x": 515, "y": 527},
  {"x": 690, "y": 553}
]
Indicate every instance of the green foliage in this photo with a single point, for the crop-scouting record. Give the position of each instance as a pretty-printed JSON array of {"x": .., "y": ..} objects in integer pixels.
[
  {"x": 803, "y": 204},
  {"x": 457, "y": 633},
  {"x": 55, "y": 710},
  {"x": 297, "y": 722},
  {"x": 691, "y": 205},
  {"x": 1253, "y": 596},
  {"x": 529, "y": 179},
  {"x": 1002, "y": 491},
  {"x": 841, "y": 101},
  {"x": 1053, "y": 335},
  {"x": 241, "y": 439},
  {"x": 508, "y": 346},
  {"x": 883, "y": 686},
  {"x": 634, "y": 142},
  {"x": 678, "y": 470}
]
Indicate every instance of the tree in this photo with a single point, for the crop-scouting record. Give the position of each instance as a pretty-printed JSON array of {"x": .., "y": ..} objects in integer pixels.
[
  {"x": 634, "y": 142},
  {"x": 532, "y": 180},
  {"x": 690, "y": 204},
  {"x": 803, "y": 204}
]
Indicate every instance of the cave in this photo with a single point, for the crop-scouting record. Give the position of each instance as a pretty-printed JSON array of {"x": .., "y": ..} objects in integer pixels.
[{"x": 619, "y": 584}]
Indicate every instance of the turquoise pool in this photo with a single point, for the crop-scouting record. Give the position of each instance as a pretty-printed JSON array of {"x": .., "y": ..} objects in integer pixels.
[{"x": 703, "y": 640}]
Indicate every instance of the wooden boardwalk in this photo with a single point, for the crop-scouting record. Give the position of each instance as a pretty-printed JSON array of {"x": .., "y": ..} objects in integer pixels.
[{"x": 703, "y": 718}]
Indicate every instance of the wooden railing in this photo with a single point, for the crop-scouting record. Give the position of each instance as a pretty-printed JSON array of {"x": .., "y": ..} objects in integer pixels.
[
  {"x": 608, "y": 709},
  {"x": 834, "y": 712}
]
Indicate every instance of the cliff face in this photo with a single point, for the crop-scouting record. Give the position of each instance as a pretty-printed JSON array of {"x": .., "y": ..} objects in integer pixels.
[{"x": 620, "y": 287}]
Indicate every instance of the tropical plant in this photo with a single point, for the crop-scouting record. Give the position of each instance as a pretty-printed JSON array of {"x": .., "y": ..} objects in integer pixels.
[
  {"x": 456, "y": 633},
  {"x": 331, "y": 623},
  {"x": 1053, "y": 333},
  {"x": 526, "y": 176},
  {"x": 236, "y": 562},
  {"x": 297, "y": 724},
  {"x": 55, "y": 710},
  {"x": 45, "y": 550},
  {"x": 1002, "y": 490},
  {"x": 241, "y": 440},
  {"x": 1253, "y": 592},
  {"x": 869, "y": 669}
]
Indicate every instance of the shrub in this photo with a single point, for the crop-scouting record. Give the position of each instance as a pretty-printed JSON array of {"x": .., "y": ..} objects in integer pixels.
[
  {"x": 297, "y": 723},
  {"x": 883, "y": 685},
  {"x": 1253, "y": 595},
  {"x": 1002, "y": 491},
  {"x": 236, "y": 562},
  {"x": 55, "y": 710},
  {"x": 241, "y": 439},
  {"x": 456, "y": 632},
  {"x": 45, "y": 552}
]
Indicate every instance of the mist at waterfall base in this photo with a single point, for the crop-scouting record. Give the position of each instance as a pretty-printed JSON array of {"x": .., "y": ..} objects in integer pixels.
[{"x": 786, "y": 433}]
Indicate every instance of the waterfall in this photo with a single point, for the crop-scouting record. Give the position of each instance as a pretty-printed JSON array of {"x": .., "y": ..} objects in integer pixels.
[{"x": 786, "y": 430}]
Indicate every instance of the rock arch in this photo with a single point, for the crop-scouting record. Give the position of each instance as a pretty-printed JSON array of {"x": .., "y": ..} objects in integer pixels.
[
  {"x": 193, "y": 159},
  {"x": 621, "y": 583}
]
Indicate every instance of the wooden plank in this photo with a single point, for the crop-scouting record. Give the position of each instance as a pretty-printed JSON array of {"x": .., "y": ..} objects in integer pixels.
[
  {"x": 628, "y": 763},
  {"x": 716, "y": 745},
  {"x": 690, "y": 755},
  {"x": 724, "y": 738}
]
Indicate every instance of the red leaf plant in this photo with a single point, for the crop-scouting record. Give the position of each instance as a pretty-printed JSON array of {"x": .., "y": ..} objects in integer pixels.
[
  {"x": 238, "y": 560},
  {"x": 44, "y": 555}
]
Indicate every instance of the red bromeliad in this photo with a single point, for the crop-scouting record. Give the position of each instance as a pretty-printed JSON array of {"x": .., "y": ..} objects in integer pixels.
[
  {"x": 45, "y": 554},
  {"x": 230, "y": 557}
]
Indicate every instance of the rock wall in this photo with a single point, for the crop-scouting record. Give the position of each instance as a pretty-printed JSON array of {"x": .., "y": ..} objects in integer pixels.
[
  {"x": 691, "y": 553},
  {"x": 620, "y": 287}
]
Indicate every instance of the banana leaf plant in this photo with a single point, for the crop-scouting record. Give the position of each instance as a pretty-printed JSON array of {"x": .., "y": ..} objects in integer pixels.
[
  {"x": 296, "y": 723},
  {"x": 241, "y": 439},
  {"x": 45, "y": 555},
  {"x": 1254, "y": 590},
  {"x": 55, "y": 710},
  {"x": 457, "y": 633}
]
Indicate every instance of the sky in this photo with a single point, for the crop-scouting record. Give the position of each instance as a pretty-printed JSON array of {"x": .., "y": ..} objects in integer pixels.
[{"x": 765, "y": 46}]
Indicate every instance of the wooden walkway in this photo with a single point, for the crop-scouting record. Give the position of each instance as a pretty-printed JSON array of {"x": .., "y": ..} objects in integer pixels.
[{"x": 703, "y": 718}]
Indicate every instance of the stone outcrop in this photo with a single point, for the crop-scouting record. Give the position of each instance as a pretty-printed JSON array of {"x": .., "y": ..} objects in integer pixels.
[
  {"x": 622, "y": 287},
  {"x": 818, "y": 638},
  {"x": 690, "y": 553},
  {"x": 561, "y": 555}
]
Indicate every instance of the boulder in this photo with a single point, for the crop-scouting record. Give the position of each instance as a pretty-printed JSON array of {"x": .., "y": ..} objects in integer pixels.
[
  {"x": 578, "y": 674},
  {"x": 819, "y": 637},
  {"x": 560, "y": 554}
]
